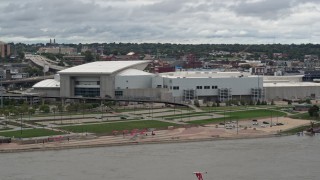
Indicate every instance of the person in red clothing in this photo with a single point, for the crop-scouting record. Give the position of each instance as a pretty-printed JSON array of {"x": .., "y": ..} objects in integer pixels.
[{"x": 199, "y": 175}]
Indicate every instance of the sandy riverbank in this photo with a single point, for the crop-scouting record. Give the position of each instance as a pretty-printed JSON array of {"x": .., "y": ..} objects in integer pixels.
[{"x": 201, "y": 133}]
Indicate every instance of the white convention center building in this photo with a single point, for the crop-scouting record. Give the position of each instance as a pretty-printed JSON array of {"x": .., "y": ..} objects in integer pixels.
[{"x": 128, "y": 80}]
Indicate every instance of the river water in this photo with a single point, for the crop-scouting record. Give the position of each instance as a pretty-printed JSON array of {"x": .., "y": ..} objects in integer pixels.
[{"x": 283, "y": 158}]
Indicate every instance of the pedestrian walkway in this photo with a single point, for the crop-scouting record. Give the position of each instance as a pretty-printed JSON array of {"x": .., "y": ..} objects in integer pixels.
[{"x": 196, "y": 109}]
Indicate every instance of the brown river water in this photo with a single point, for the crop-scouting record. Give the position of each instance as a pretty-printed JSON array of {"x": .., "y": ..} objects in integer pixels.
[{"x": 281, "y": 158}]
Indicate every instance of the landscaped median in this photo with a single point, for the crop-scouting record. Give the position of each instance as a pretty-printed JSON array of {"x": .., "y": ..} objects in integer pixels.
[
  {"x": 108, "y": 128},
  {"x": 101, "y": 128},
  {"x": 28, "y": 133},
  {"x": 185, "y": 115},
  {"x": 241, "y": 115}
]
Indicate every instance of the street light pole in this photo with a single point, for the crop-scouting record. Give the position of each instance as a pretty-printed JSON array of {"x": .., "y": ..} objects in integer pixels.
[
  {"x": 237, "y": 126},
  {"x": 83, "y": 108},
  {"x": 224, "y": 117},
  {"x": 134, "y": 108},
  {"x": 271, "y": 120},
  {"x": 2, "y": 92},
  {"x": 181, "y": 114},
  {"x": 174, "y": 105},
  {"x": 189, "y": 113},
  {"x": 152, "y": 111},
  {"x": 21, "y": 123}
]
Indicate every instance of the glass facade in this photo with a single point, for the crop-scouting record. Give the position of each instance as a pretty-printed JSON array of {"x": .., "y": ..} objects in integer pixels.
[
  {"x": 87, "y": 92},
  {"x": 118, "y": 93}
]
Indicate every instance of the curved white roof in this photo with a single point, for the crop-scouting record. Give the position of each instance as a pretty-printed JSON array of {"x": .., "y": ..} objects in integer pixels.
[
  {"x": 48, "y": 83},
  {"x": 134, "y": 72},
  {"x": 292, "y": 84},
  {"x": 203, "y": 74},
  {"x": 105, "y": 67}
]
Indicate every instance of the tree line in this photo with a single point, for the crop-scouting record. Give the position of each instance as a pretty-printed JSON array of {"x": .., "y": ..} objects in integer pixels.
[{"x": 294, "y": 51}]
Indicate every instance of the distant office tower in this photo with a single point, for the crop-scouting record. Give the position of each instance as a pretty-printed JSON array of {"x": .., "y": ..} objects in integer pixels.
[
  {"x": 4, "y": 49},
  {"x": 50, "y": 41},
  {"x": 54, "y": 41}
]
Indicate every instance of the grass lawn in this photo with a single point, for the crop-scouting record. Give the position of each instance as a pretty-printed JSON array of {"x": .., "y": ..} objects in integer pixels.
[
  {"x": 178, "y": 115},
  {"x": 4, "y": 128},
  {"x": 305, "y": 116},
  {"x": 228, "y": 108},
  {"x": 131, "y": 109},
  {"x": 109, "y": 127},
  {"x": 241, "y": 115},
  {"x": 188, "y": 115},
  {"x": 17, "y": 124},
  {"x": 30, "y": 133},
  {"x": 154, "y": 112}
]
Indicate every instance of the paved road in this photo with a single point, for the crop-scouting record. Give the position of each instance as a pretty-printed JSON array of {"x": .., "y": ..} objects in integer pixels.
[{"x": 42, "y": 61}]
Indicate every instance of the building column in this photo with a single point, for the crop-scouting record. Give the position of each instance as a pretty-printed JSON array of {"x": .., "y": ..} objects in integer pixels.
[{"x": 107, "y": 86}]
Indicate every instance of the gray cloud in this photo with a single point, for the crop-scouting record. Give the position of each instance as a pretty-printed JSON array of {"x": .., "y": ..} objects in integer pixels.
[
  {"x": 179, "y": 21},
  {"x": 268, "y": 9}
]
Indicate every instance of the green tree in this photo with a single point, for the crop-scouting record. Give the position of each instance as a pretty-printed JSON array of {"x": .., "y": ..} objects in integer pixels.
[
  {"x": 21, "y": 54},
  {"x": 196, "y": 103},
  {"x": 272, "y": 102},
  {"x": 258, "y": 102},
  {"x": 31, "y": 111},
  {"x": 218, "y": 104},
  {"x": 308, "y": 101},
  {"x": 60, "y": 107},
  {"x": 313, "y": 110},
  {"x": 44, "y": 108},
  {"x": 88, "y": 57},
  {"x": 54, "y": 110}
]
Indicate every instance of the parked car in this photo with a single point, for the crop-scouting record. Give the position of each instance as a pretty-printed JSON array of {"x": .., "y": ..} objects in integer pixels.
[{"x": 265, "y": 122}]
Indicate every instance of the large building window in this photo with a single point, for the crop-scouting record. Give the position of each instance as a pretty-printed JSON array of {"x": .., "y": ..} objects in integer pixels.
[
  {"x": 206, "y": 87},
  {"x": 214, "y": 87},
  {"x": 175, "y": 87},
  {"x": 87, "y": 92},
  {"x": 199, "y": 87},
  {"x": 118, "y": 93}
]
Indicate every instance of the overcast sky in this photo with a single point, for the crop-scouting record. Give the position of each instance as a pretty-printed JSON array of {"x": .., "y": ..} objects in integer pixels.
[{"x": 164, "y": 21}]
